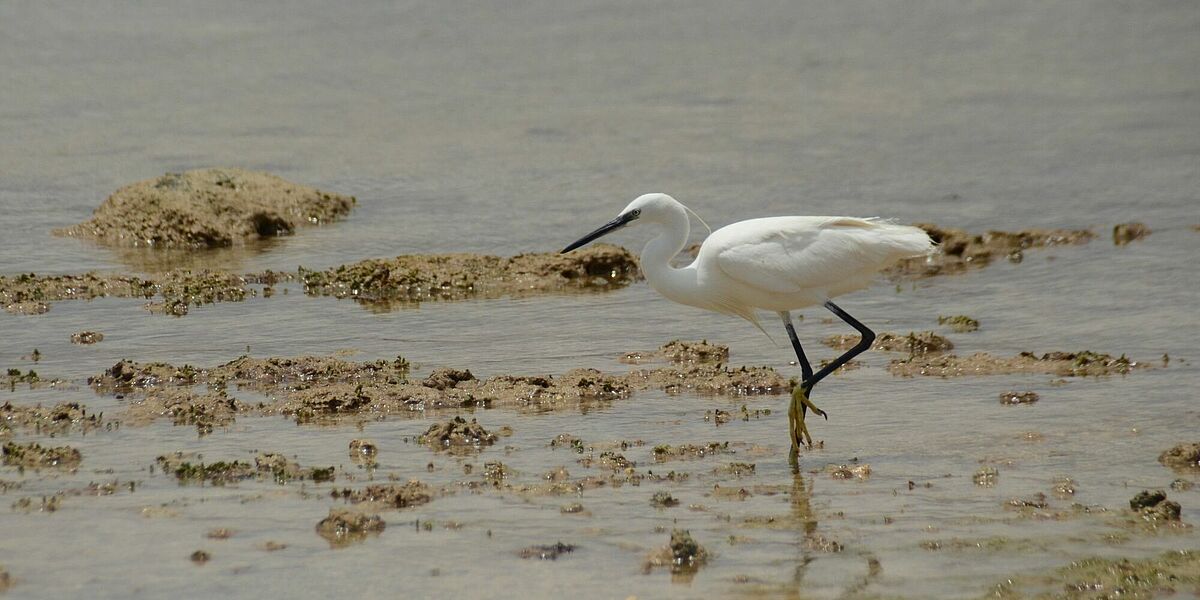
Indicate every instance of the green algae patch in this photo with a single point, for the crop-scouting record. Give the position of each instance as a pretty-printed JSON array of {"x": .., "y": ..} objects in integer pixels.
[
  {"x": 217, "y": 473},
  {"x": 959, "y": 323},
  {"x": 208, "y": 208},
  {"x": 188, "y": 469},
  {"x": 1167, "y": 575},
  {"x": 35, "y": 456},
  {"x": 417, "y": 278}
]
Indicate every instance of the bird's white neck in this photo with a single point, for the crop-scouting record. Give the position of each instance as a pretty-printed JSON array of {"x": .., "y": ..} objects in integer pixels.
[{"x": 675, "y": 284}]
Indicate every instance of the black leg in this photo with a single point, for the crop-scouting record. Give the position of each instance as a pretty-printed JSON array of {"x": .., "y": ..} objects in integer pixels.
[
  {"x": 868, "y": 338},
  {"x": 805, "y": 368}
]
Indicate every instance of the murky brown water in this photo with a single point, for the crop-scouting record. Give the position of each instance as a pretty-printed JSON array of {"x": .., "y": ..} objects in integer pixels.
[{"x": 503, "y": 130}]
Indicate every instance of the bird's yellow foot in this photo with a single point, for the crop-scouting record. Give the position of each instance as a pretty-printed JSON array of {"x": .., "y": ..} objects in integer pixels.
[{"x": 796, "y": 427}]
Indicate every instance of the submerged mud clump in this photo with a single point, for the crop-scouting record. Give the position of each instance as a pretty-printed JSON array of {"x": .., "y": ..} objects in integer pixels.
[
  {"x": 416, "y": 278},
  {"x": 959, "y": 323},
  {"x": 266, "y": 464},
  {"x": 547, "y": 552},
  {"x": 1183, "y": 457},
  {"x": 1150, "y": 500},
  {"x": 326, "y": 389},
  {"x": 1064, "y": 364},
  {"x": 305, "y": 371},
  {"x": 441, "y": 379},
  {"x": 217, "y": 473},
  {"x": 959, "y": 251},
  {"x": 712, "y": 379},
  {"x": 412, "y": 493},
  {"x": 1009, "y": 398},
  {"x": 128, "y": 376},
  {"x": 457, "y": 432},
  {"x": 1128, "y": 232},
  {"x": 60, "y": 418},
  {"x": 344, "y": 527},
  {"x": 363, "y": 452},
  {"x": 266, "y": 374},
  {"x": 664, "y": 453},
  {"x": 87, "y": 337},
  {"x": 923, "y": 342},
  {"x": 1161, "y": 576},
  {"x": 35, "y": 456},
  {"x": 682, "y": 352},
  {"x": 176, "y": 290},
  {"x": 283, "y": 469},
  {"x": 986, "y": 476},
  {"x": 185, "y": 407},
  {"x": 208, "y": 208},
  {"x": 682, "y": 555}
]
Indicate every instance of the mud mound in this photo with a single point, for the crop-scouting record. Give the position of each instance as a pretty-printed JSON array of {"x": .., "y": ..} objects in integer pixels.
[
  {"x": 417, "y": 278},
  {"x": 208, "y": 208}
]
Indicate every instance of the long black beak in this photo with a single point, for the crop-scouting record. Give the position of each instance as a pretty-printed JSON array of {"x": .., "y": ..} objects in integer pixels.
[{"x": 604, "y": 230}]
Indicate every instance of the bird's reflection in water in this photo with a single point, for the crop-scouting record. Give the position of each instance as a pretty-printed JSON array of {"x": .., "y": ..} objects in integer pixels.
[
  {"x": 806, "y": 518},
  {"x": 161, "y": 260}
]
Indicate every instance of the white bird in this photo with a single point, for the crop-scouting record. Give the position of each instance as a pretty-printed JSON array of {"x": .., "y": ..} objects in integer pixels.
[{"x": 778, "y": 264}]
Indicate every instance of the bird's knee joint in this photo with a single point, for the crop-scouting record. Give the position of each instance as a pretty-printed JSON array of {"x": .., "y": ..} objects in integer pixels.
[{"x": 868, "y": 338}]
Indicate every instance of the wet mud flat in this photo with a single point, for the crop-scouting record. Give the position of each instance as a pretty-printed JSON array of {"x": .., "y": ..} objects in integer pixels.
[
  {"x": 378, "y": 284},
  {"x": 667, "y": 466},
  {"x": 406, "y": 281},
  {"x": 331, "y": 390},
  {"x": 397, "y": 458}
]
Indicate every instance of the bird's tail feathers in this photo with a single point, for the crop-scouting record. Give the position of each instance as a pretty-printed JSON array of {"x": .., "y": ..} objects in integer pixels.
[{"x": 907, "y": 241}]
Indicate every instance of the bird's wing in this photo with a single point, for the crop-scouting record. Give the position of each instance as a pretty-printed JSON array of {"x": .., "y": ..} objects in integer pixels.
[{"x": 791, "y": 254}]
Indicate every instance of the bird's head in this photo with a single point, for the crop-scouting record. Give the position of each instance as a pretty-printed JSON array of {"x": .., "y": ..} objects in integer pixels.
[{"x": 647, "y": 208}]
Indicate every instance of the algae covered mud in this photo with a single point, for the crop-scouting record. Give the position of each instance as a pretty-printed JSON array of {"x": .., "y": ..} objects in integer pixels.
[{"x": 505, "y": 422}]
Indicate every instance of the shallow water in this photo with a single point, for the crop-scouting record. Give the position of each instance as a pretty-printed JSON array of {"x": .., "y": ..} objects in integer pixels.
[{"x": 514, "y": 130}]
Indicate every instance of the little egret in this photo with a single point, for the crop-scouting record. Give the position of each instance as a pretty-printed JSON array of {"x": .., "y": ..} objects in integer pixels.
[{"x": 778, "y": 264}]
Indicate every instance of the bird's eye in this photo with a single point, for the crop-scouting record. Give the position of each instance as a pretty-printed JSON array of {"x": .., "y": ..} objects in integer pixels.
[{"x": 637, "y": 212}]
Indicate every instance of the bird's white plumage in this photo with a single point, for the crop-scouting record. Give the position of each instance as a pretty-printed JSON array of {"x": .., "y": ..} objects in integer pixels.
[
  {"x": 775, "y": 263},
  {"x": 813, "y": 257}
]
